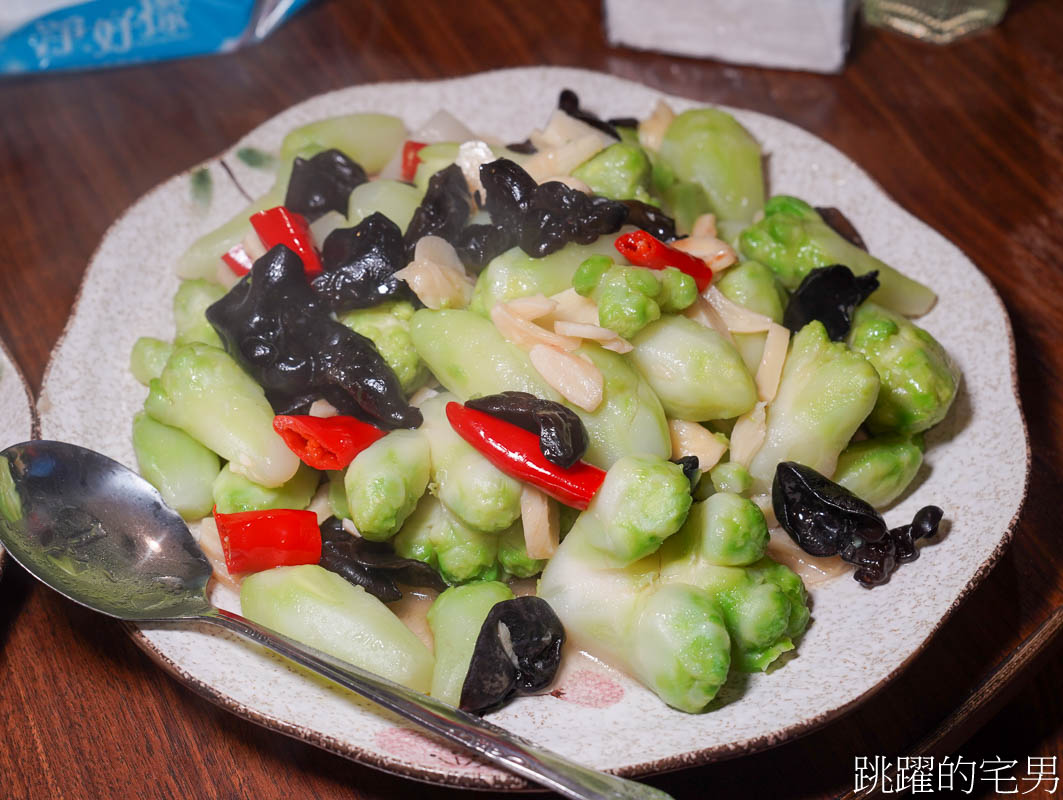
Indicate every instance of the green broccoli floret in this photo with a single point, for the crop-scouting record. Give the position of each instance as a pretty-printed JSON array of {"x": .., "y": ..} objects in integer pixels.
[
  {"x": 189, "y": 305},
  {"x": 388, "y": 326},
  {"x": 673, "y": 638},
  {"x": 678, "y": 290},
  {"x": 919, "y": 381},
  {"x": 513, "y": 553},
  {"x": 149, "y": 358},
  {"x": 435, "y": 536},
  {"x": 630, "y": 298},
  {"x": 621, "y": 171},
  {"x": 825, "y": 393},
  {"x": 642, "y": 502},
  {"x": 384, "y": 482},
  {"x": 697, "y": 374},
  {"x": 792, "y": 239},
  {"x": 234, "y": 493},
  {"x": 731, "y": 476},
  {"x": 879, "y": 469},
  {"x": 205, "y": 393},
  {"x": 708, "y": 148}
]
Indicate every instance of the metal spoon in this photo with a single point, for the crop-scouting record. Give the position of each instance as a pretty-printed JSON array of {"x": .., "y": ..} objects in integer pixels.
[{"x": 100, "y": 535}]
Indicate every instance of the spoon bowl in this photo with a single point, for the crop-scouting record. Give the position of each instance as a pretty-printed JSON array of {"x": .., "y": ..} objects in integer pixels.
[
  {"x": 99, "y": 534},
  {"x": 102, "y": 536}
]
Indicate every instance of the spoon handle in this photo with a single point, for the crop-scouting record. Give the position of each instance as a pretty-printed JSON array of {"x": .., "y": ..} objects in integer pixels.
[{"x": 490, "y": 741}]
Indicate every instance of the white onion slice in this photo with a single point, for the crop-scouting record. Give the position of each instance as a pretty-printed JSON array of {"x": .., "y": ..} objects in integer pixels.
[{"x": 442, "y": 126}]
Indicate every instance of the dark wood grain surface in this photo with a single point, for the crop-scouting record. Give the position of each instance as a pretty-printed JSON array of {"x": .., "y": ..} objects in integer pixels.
[{"x": 967, "y": 137}]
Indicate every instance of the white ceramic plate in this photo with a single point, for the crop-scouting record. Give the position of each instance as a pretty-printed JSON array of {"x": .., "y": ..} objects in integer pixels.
[
  {"x": 18, "y": 417},
  {"x": 850, "y": 650}
]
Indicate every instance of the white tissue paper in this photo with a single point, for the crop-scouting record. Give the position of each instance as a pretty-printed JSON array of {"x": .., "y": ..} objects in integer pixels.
[{"x": 793, "y": 34}]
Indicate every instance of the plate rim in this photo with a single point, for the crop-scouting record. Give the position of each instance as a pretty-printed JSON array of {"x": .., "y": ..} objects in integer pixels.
[
  {"x": 505, "y": 781},
  {"x": 31, "y": 406}
]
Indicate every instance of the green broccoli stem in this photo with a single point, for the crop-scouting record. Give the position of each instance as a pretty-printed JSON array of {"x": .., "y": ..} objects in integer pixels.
[
  {"x": 177, "y": 465},
  {"x": 455, "y": 619}
]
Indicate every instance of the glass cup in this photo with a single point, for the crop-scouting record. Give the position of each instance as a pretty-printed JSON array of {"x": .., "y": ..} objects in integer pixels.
[{"x": 937, "y": 21}]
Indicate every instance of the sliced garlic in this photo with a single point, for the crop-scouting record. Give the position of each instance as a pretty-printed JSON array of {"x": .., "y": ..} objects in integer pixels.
[
  {"x": 691, "y": 439},
  {"x": 716, "y": 253},
  {"x": 436, "y": 274},
  {"x": 574, "y": 307},
  {"x": 652, "y": 129},
  {"x": 584, "y": 331},
  {"x": 562, "y": 159},
  {"x": 574, "y": 378},
  {"x": 471, "y": 155},
  {"x": 439, "y": 251},
  {"x": 702, "y": 312},
  {"x": 771, "y": 362},
  {"x": 738, "y": 319},
  {"x": 323, "y": 408},
  {"x": 705, "y": 225},
  {"x": 811, "y": 570},
  {"x": 320, "y": 503},
  {"x": 618, "y": 345},
  {"x": 542, "y": 523},
  {"x": 253, "y": 246},
  {"x": 607, "y": 338},
  {"x": 210, "y": 543},
  {"x": 562, "y": 128},
  {"x": 532, "y": 307},
  {"x": 526, "y": 334},
  {"x": 225, "y": 276},
  {"x": 748, "y": 434}
]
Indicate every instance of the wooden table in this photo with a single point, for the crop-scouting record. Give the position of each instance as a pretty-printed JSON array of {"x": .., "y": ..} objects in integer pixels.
[{"x": 968, "y": 137}]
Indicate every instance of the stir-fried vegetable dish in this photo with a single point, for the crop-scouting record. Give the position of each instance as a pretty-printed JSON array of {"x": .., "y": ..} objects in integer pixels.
[{"x": 600, "y": 359}]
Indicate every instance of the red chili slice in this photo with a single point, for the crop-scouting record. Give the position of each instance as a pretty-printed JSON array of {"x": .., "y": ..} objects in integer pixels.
[
  {"x": 410, "y": 159},
  {"x": 516, "y": 452},
  {"x": 280, "y": 226},
  {"x": 644, "y": 250},
  {"x": 238, "y": 260},
  {"x": 257, "y": 540},
  {"x": 326, "y": 442}
]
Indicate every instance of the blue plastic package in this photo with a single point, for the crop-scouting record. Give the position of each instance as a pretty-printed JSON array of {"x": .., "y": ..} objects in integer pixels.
[{"x": 39, "y": 35}]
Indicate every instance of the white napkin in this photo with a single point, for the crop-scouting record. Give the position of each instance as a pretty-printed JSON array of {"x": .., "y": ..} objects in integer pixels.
[
  {"x": 16, "y": 13},
  {"x": 795, "y": 34}
]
